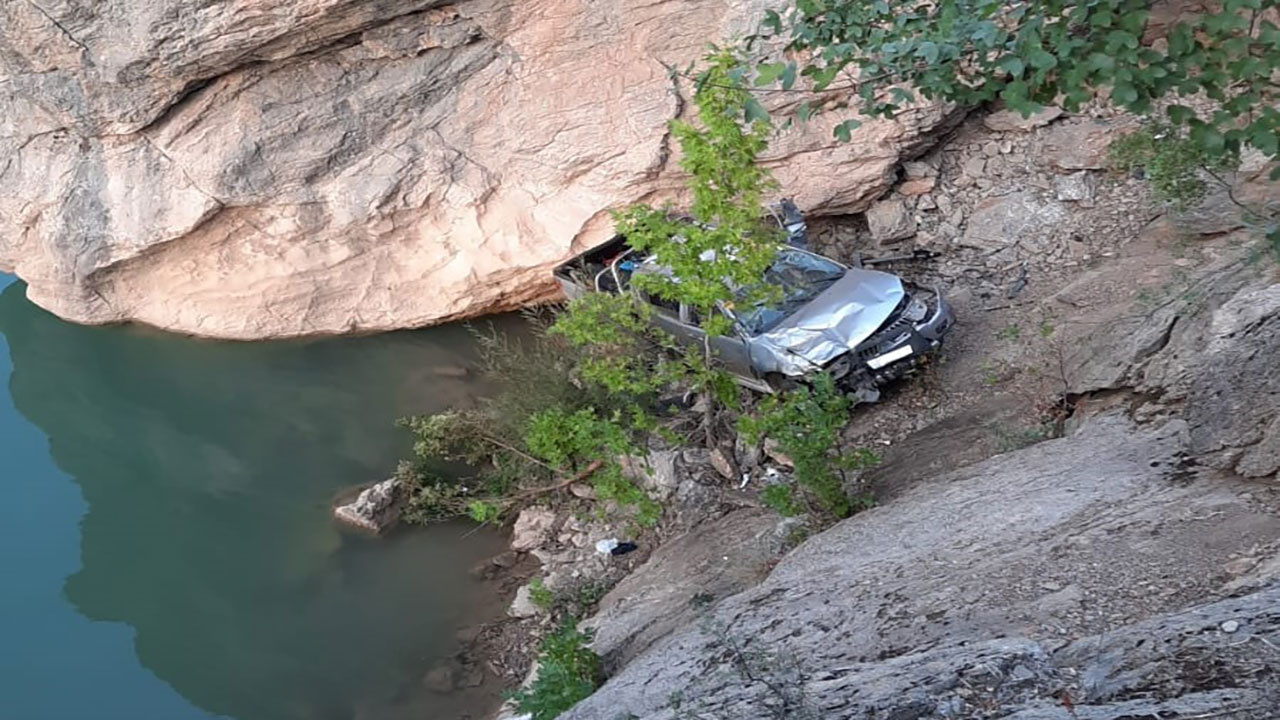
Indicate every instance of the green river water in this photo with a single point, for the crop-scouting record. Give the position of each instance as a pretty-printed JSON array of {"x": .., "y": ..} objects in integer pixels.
[{"x": 166, "y": 545}]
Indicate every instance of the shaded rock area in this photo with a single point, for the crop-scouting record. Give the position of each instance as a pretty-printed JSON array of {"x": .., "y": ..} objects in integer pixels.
[
  {"x": 968, "y": 593},
  {"x": 717, "y": 559},
  {"x": 375, "y": 509},
  {"x": 263, "y": 169}
]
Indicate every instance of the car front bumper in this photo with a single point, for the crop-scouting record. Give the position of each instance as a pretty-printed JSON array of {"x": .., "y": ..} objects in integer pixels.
[{"x": 896, "y": 352}]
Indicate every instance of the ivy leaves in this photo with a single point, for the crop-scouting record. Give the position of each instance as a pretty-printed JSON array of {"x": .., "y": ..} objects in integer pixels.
[
  {"x": 779, "y": 72},
  {"x": 1031, "y": 52}
]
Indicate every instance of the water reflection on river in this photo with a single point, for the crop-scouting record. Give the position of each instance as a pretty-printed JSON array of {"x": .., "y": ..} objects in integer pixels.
[{"x": 167, "y": 547}]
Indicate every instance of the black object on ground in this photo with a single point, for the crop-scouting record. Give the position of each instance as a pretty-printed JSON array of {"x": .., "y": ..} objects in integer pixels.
[{"x": 624, "y": 548}]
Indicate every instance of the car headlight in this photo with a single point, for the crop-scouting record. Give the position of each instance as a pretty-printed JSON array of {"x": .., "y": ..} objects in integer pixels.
[{"x": 916, "y": 310}]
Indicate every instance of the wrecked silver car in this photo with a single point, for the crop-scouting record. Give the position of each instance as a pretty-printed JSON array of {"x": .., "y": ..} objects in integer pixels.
[{"x": 865, "y": 327}]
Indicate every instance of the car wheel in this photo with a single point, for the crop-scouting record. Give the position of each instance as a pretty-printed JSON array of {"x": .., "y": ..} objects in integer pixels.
[{"x": 780, "y": 383}]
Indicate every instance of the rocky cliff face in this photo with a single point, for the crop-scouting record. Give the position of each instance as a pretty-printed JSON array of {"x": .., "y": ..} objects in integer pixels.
[
  {"x": 1128, "y": 569},
  {"x": 253, "y": 169}
]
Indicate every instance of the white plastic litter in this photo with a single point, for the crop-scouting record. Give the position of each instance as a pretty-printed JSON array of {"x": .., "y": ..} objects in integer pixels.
[{"x": 604, "y": 547}]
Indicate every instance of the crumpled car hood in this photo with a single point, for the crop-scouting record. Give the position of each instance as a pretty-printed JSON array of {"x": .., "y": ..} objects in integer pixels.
[{"x": 836, "y": 321}]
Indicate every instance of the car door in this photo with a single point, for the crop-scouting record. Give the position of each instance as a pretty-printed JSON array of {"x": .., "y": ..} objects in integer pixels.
[
  {"x": 681, "y": 322},
  {"x": 731, "y": 349},
  {"x": 666, "y": 316}
]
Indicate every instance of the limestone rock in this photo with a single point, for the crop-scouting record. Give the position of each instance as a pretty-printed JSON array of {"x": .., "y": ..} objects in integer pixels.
[
  {"x": 913, "y": 605},
  {"x": 975, "y": 167},
  {"x": 1013, "y": 121},
  {"x": 1078, "y": 187},
  {"x": 583, "y": 490},
  {"x": 1081, "y": 145},
  {"x": 1165, "y": 13},
  {"x": 890, "y": 221},
  {"x": 656, "y": 473},
  {"x": 1210, "y": 348},
  {"x": 1216, "y": 212},
  {"x": 723, "y": 464},
  {"x": 252, "y": 169},
  {"x": 774, "y": 451},
  {"x": 716, "y": 559},
  {"x": 918, "y": 186},
  {"x": 522, "y": 605},
  {"x": 533, "y": 528},
  {"x": 920, "y": 169},
  {"x": 1022, "y": 217},
  {"x": 376, "y": 508},
  {"x": 941, "y": 598}
]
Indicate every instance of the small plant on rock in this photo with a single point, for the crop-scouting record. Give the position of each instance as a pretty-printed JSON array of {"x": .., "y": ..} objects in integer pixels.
[
  {"x": 568, "y": 672},
  {"x": 781, "y": 499},
  {"x": 541, "y": 595},
  {"x": 1175, "y": 165},
  {"x": 807, "y": 423},
  {"x": 1010, "y": 333}
]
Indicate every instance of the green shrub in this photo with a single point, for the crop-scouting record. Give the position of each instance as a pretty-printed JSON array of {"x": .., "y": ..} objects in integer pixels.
[
  {"x": 1172, "y": 162},
  {"x": 568, "y": 672},
  {"x": 540, "y": 594},
  {"x": 781, "y": 498},
  {"x": 806, "y": 423},
  {"x": 537, "y": 428},
  {"x": 483, "y": 511},
  {"x": 886, "y": 55}
]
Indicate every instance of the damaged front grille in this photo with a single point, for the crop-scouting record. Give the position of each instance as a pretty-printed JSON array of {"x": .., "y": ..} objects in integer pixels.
[{"x": 889, "y": 336}]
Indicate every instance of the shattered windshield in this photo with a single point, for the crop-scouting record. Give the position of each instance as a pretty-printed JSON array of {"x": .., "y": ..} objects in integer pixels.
[{"x": 799, "y": 275}]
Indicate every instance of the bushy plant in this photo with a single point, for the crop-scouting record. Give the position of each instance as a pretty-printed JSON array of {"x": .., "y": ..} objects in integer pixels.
[
  {"x": 723, "y": 247},
  {"x": 540, "y": 595},
  {"x": 1030, "y": 53},
  {"x": 715, "y": 254},
  {"x": 1172, "y": 162},
  {"x": 806, "y": 423},
  {"x": 781, "y": 498},
  {"x": 620, "y": 349},
  {"x": 568, "y": 672},
  {"x": 535, "y": 433},
  {"x": 570, "y": 441}
]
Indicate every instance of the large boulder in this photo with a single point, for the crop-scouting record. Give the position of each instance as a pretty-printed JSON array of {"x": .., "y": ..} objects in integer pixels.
[
  {"x": 716, "y": 559},
  {"x": 979, "y": 579},
  {"x": 252, "y": 169},
  {"x": 1204, "y": 340},
  {"x": 533, "y": 528},
  {"x": 1024, "y": 217}
]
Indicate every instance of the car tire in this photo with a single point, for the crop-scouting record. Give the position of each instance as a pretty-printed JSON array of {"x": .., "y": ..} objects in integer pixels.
[{"x": 780, "y": 383}]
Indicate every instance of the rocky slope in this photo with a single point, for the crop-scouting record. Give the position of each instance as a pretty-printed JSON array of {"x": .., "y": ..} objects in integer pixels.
[
  {"x": 255, "y": 169},
  {"x": 1126, "y": 570}
]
